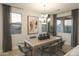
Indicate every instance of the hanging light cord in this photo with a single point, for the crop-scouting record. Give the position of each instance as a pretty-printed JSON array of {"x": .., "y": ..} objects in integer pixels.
[{"x": 44, "y": 6}]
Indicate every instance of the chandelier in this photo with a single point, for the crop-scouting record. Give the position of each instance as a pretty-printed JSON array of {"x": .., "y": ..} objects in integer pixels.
[{"x": 44, "y": 16}]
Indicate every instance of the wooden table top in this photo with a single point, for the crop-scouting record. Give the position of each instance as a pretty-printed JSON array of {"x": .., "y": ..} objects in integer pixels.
[{"x": 35, "y": 42}]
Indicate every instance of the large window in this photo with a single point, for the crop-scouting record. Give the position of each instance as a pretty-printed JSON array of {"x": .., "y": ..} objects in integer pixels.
[
  {"x": 64, "y": 24},
  {"x": 59, "y": 26},
  {"x": 15, "y": 23},
  {"x": 67, "y": 26}
]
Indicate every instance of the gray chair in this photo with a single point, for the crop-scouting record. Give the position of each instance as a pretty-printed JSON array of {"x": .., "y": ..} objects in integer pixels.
[
  {"x": 24, "y": 49},
  {"x": 57, "y": 47},
  {"x": 49, "y": 49},
  {"x": 60, "y": 45},
  {"x": 60, "y": 37},
  {"x": 52, "y": 47}
]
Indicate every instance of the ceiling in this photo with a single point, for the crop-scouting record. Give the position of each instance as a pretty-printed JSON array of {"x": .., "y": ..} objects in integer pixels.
[{"x": 51, "y": 8}]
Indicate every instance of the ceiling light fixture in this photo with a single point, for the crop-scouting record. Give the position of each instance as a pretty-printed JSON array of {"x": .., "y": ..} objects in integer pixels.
[{"x": 44, "y": 15}]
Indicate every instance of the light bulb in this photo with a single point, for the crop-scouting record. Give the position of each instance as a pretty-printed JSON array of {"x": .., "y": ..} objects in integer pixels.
[
  {"x": 48, "y": 19},
  {"x": 46, "y": 15}
]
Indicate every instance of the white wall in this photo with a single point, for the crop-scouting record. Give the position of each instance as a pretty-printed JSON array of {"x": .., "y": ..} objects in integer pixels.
[{"x": 1, "y": 29}]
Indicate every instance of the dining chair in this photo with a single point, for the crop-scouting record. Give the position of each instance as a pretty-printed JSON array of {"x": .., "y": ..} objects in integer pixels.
[
  {"x": 49, "y": 49},
  {"x": 60, "y": 46},
  {"x": 24, "y": 49},
  {"x": 60, "y": 37},
  {"x": 57, "y": 47}
]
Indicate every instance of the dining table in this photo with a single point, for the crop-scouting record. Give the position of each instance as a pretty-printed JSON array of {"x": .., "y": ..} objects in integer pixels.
[{"x": 36, "y": 43}]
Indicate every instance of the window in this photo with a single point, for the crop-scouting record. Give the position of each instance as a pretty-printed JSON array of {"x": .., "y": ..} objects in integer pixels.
[
  {"x": 67, "y": 26},
  {"x": 59, "y": 26},
  {"x": 15, "y": 23},
  {"x": 64, "y": 24},
  {"x": 44, "y": 28}
]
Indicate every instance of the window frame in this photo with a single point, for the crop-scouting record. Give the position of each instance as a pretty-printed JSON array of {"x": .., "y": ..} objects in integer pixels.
[
  {"x": 64, "y": 18},
  {"x": 57, "y": 25},
  {"x": 64, "y": 25},
  {"x": 20, "y": 23}
]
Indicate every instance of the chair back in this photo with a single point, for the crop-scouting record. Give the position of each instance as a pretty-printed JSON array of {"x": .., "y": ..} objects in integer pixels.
[
  {"x": 61, "y": 43},
  {"x": 20, "y": 48}
]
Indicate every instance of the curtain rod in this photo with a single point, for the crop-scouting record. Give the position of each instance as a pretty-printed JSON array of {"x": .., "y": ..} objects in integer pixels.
[
  {"x": 14, "y": 6},
  {"x": 17, "y": 7}
]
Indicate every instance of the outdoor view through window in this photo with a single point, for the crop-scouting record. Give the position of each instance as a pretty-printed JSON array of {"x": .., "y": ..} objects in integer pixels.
[
  {"x": 64, "y": 26},
  {"x": 15, "y": 23}
]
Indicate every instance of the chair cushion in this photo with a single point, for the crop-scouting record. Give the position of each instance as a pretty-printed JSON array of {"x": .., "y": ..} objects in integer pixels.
[{"x": 24, "y": 49}]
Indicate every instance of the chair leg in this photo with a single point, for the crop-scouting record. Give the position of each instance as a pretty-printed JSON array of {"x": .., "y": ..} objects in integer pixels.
[
  {"x": 31, "y": 53},
  {"x": 56, "y": 51},
  {"x": 41, "y": 53}
]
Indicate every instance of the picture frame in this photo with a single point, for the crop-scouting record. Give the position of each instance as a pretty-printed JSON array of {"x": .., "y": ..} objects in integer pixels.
[{"x": 32, "y": 24}]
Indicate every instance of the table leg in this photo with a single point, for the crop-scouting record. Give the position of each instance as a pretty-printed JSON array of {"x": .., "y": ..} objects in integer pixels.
[{"x": 33, "y": 51}]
